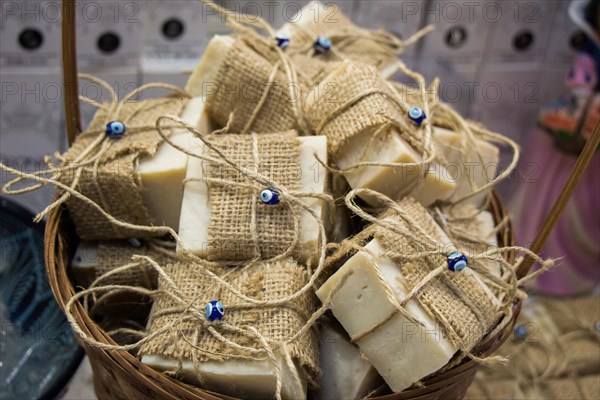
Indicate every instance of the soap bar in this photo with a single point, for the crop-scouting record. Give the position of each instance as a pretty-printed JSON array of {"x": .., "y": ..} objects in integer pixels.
[
  {"x": 217, "y": 365},
  {"x": 401, "y": 351},
  {"x": 244, "y": 379},
  {"x": 326, "y": 20},
  {"x": 467, "y": 169},
  {"x": 437, "y": 184},
  {"x": 346, "y": 375},
  {"x": 83, "y": 264},
  {"x": 352, "y": 139},
  {"x": 242, "y": 88},
  {"x": 404, "y": 352},
  {"x": 195, "y": 215},
  {"x": 162, "y": 175},
  {"x": 203, "y": 78},
  {"x": 94, "y": 259}
]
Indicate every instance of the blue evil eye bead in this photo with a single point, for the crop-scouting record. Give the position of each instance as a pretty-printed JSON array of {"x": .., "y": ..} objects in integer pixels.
[
  {"x": 520, "y": 332},
  {"x": 282, "y": 41},
  {"x": 416, "y": 115},
  {"x": 457, "y": 262},
  {"x": 115, "y": 129},
  {"x": 214, "y": 310},
  {"x": 269, "y": 196},
  {"x": 133, "y": 242},
  {"x": 322, "y": 44}
]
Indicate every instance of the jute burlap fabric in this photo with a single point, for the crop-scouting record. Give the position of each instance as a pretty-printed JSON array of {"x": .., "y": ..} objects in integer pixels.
[
  {"x": 232, "y": 234},
  {"x": 312, "y": 70},
  {"x": 331, "y": 112},
  {"x": 349, "y": 44},
  {"x": 561, "y": 340},
  {"x": 576, "y": 388},
  {"x": 469, "y": 235},
  {"x": 240, "y": 82},
  {"x": 115, "y": 254},
  {"x": 455, "y": 300},
  {"x": 262, "y": 281},
  {"x": 115, "y": 182}
]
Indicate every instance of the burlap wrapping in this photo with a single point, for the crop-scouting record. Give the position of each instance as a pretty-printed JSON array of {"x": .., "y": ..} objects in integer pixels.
[
  {"x": 115, "y": 184},
  {"x": 240, "y": 83},
  {"x": 312, "y": 70},
  {"x": 561, "y": 340},
  {"x": 231, "y": 233},
  {"x": 348, "y": 43},
  {"x": 576, "y": 388},
  {"x": 455, "y": 300},
  {"x": 373, "y": 109},
  {"x": 469, "y": 236},
  {"x": 115, "y": 254},
  {"x": 261, "y": 281}
]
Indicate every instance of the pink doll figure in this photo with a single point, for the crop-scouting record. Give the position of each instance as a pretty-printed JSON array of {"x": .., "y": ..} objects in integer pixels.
[{"x": 582, "y": 78}]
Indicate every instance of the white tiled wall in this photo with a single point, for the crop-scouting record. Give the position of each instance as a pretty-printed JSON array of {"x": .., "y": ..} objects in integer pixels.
[{"x": 130, "y": 42}]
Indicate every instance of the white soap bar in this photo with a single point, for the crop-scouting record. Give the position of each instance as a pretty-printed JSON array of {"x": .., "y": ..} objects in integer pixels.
[
  {"x": 467, "y": 169},
  {"x": 202, "y": 82},
  {"x": 401, "y": 351},
  {"x": 83, "y": 264},
  {"x": 244, "y": 379},
  {"x": 162, "y": 175},
  {"x": 316, "y": 18},
  {"x": 346, "y": 375},
  {"x": 393, "y": 181},
  {"x": 195, "y": 210},
  {"x": 437, "y": 184},
  {"x": 387, "y": 148}
]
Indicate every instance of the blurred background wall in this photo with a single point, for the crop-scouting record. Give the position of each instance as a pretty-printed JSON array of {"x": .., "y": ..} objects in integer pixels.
[{"x": 499, "y": 61}]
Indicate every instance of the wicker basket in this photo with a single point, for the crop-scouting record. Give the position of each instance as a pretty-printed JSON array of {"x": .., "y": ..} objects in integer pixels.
[{"x": 120, "y": 375}]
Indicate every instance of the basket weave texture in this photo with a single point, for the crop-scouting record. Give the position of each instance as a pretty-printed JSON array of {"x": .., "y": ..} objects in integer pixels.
[{"x": 120, "y": 375}]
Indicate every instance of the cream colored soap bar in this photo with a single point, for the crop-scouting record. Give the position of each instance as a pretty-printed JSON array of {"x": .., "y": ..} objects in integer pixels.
[
  {"x": 467, "y": 169},
  {"x": 316, "y": 18},
  {"x": 388, "y": 147},
  {"x": 393, "y": 181},
  {"x": 203, "y": 78},
  {"x": 195, "y": 211},
  {"x": 83, "y": 264},
  {"x": 401, "y": 351},
  {"x": 163, "y": 174},
  {"x": 437, "y": 184},
  {"x": 244, "y": 379},
  {"x": 346, "y": 375}
]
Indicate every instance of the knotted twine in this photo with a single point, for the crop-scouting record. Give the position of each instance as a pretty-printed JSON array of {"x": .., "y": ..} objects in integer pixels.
[
  {"x": 240, "y": 227},
  {"x": 204, "y": 268},
  {"x": 350, "y": 42},
  {"x": 557, "y": 358},
  {"x": 105, "y": 169},
  {"x": 355, "y": 102},
  {"x": 113, "y": 254},
  {"x": 420, "y": 246},
  {"x": 192, "y": 341}
]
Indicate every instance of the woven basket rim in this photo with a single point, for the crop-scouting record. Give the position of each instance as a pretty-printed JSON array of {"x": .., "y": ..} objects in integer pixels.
[{"x": 59, "y": 242}]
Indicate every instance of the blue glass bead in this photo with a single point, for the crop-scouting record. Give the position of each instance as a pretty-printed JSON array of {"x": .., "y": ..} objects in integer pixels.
[
  {"x": 457, "y": 262},
  {"x": 520, "y": 332},
  {"x": 115, "y": 129},
  {"x": 322, "y": 44},
  {"x": 214, "y": 310},
  {"x": 416, "y": 115},
  {"x": 135, "y": 242},
  {"x": 282, "y": 41},
  {"x": 597, "y": 326},
  {"x": 269, "y": 196}
]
